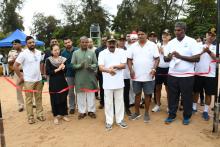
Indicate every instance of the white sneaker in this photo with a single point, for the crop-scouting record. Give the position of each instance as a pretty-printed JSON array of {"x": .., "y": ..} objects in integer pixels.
[
  {"x": 156, "y": 108},
  {"x": 167, "y": 110}
]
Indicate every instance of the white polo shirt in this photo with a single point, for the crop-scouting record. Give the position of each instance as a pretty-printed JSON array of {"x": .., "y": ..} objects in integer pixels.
[
  {"x": 31, "y": 65},
  {"x": 205, "y": 62},
  {"x": 162, "y": 63},
  {"x": 109, "y": 59},
  {"x": 187, "y": 47},
  {"x": 126, "y": 70},
  {"x": 143, "y": 60}
]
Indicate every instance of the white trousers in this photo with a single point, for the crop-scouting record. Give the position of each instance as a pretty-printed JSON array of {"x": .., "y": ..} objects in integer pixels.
[
  {"x": 84, "y": 100},
  {"x": 117, "y": 94}
]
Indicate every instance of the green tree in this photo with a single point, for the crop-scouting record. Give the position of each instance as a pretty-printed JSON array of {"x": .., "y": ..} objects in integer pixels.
[
  {"x": 10, "y": 19},
  {"x": 201, "y": 15},
  {"x": 45, "y": 27},
  {"x": 153, "y": 15},
  {"x": 79, "y": 17}
]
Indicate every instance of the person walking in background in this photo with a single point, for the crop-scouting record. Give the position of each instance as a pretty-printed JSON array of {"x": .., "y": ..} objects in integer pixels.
[{"x": 55, "y": 68}]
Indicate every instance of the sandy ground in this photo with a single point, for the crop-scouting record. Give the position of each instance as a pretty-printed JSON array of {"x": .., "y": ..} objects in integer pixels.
[{"x": 91, "y": 133}]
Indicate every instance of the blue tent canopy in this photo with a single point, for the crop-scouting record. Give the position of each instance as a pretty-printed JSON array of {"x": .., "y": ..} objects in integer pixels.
[{"x": 17, "y": 35}]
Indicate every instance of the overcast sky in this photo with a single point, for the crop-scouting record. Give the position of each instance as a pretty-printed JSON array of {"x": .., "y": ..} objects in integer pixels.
[{"x": 52, "y": 7}]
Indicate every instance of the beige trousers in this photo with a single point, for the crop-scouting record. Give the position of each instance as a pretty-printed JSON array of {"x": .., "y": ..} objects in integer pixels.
[
  {"x": 20, "y": 98},
  {"x": 29, "y": 98}
]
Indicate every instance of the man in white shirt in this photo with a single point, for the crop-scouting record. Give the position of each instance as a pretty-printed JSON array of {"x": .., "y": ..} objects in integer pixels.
[
  {"x": 143, "y": 59},
  {"x": 182, "y": 52},
  {"x": 30, "y": 60},
  {"x": 111, "y": 62},
  {"x": 206, "y": 81},
  {"x": 12, "y": 55}
]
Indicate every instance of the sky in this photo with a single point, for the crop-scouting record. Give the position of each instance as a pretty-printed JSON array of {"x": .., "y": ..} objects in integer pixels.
[{"x": 52, "y": 7}]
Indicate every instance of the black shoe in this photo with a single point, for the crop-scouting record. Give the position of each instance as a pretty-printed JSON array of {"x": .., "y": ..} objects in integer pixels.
[
  {"x": 72, "y": 111},
  {"x": 180, "y": 108},
  {"x": 142, "y": 106},
  {"x": 128, "y": 112},
  {"x": 101, "y": 106},
  {"x": 92, "y": 115},
  {"x": 131, "y": 105},
  {"x": 20, "y": 109}
]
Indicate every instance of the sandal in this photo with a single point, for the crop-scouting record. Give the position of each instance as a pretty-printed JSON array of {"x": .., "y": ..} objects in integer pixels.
[
  {"x": 56, "y": 121},
  {"x": 41, "y": 118},
  {"x": 81, "y": 115},
  {"x": 65, "y": 118},
  {"x": 92, "y": 114},
  {"x": 31, "y": 121}
]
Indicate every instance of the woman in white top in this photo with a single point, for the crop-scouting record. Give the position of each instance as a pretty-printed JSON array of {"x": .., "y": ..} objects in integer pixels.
[{"x": 162, "y": 71}]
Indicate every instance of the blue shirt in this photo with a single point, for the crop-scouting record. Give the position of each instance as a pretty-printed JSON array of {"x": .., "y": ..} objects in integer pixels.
[{"x": 69, "y": 67}]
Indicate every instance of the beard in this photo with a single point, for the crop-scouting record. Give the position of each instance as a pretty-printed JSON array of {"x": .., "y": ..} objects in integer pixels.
[{"x": 31, "y": 47}]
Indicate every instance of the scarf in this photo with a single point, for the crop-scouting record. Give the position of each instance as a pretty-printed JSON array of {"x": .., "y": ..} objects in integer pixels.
[{"x": 58, "y": 61}]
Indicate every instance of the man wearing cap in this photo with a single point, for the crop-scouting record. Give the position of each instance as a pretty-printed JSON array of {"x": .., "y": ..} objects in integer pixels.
[
  {"x": 152, "y": 37},
  {"x": 12, "y": 55},
  {"x": 121, "y": 45},
  {"x": 85, "y": 65},
  {"x": 111, "y": 63},
  {"x": 162, "y": 71},
  {"x": 206, "y": 81},
  {"x": 182, "y": 52},
  {"x": 144, "y": 56}
]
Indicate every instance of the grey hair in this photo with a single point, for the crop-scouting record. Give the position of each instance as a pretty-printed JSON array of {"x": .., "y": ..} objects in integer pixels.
[
  {"x": 181, "y": 25},
  {"x": 83, "y": 38},
  {"x": 90, "y": 39}
]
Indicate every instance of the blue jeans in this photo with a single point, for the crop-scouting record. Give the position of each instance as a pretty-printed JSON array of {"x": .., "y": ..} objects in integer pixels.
[{"x": 70, "y": 82}]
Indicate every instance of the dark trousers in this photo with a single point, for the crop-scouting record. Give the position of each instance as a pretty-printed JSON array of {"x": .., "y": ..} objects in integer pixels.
[
  {"x": 100, "y": 78},
  {"x": 126, "y": 93},
  {"x": 183, "y": 85},
  {"x": 202, "y": 96}
]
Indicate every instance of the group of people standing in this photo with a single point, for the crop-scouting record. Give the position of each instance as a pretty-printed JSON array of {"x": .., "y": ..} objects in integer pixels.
[{"x": 125, "y": 71}]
